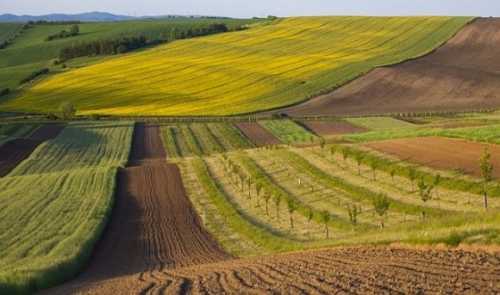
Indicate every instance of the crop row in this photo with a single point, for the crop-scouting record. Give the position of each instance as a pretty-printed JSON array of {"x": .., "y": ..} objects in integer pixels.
[
  {"x": 196, "y": 139},
  {"x": 55, "y": 204}
]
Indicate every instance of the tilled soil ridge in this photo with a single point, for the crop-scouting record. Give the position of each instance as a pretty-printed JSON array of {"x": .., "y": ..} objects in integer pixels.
[
  {"x": 153, "y": 227},
  {"x": 462, "y": 75}
]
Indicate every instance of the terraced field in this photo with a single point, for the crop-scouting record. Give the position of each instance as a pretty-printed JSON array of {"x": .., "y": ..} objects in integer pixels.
[
  {"x": 54, "y": 205},
  {"x": 266, "y": 67}
]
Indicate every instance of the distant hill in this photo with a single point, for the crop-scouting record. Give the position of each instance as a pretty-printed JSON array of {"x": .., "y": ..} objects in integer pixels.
[{"x": 84, "y": 17}]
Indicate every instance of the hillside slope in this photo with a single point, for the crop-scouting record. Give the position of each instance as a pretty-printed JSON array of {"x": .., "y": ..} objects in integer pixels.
[
  {"x": 463, "y": 75},
  {"x": 30, "y": 51},
  {"x": 262, "y": 68}
]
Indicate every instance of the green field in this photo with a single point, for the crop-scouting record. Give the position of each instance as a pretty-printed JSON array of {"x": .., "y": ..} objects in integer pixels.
[
  {"x": 9, "y": 30},
  {"x": 31, "y": 52},
  {"x": 268, "y": 66},
  {"x": 380, "y": 123},
  {"x": 54, "y": 205},
  {"x": 288, "y": 131}
]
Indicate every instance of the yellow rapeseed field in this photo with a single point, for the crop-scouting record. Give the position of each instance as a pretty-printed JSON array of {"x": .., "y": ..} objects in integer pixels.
[{"x": 265, "y": 67}]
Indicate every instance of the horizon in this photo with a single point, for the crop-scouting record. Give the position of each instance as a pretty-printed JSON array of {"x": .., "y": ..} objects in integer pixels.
[{"x": 258, "y": 8}]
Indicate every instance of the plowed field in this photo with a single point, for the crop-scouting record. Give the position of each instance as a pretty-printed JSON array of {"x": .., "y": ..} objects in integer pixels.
[
  {"x": 14, "y": 152},
  {"x": 344, "y": 271},
  {"x": 257, "y": 134},
  {"x": 153, "y": 227},
  {"x": 441, "y": 153},
  {"x": 461, "y": 75}
]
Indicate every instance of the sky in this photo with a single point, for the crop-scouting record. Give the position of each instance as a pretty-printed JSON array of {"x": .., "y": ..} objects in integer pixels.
[{"x": 249, "y": 8}]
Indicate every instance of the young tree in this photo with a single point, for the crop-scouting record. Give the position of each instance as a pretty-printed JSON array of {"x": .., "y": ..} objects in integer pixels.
[
  {"x": 267, "y": 197},
  {"x": 75, "y": 30},
  {"x": 333, "y": 150},
  {"x": 277, "y": 202},
  {"x": 310, "y": 214},
  {"x": 393, "y": 173},
  {"x": 249, "y": 183},
  {"x": 381, "y": 205},
  {"x": 359, "y": 158},
  {"x": 321, "y": 142},
  {"x": 374, "y": 167},
  {"x": 292, "y": 207},
  {"x": 345, "y": 153},
  {"x": 258, "y": 189},
  {"x": 425, "y": 192},
  {"x": 353, "y": 211},
  {"x": 325, "y": 217},
  {"x": 68, "y": 110},
  {"x": 412, "y": 174},
  {"x": 437, "y": 180},
  {"x": 486, "y": 168}
]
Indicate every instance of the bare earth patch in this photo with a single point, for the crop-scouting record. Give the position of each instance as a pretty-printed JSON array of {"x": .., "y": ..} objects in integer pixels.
[
  {"x": 441, "y": 153},
  {"x": 257, "y": 134},
  {"x": 326, "y": 128}
]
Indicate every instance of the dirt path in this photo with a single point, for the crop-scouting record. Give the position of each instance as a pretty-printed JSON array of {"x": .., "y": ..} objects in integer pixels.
[
  {"x": 15, "y": 151},
  {"x": 441, "y": 153},
  {"x": 153, "y": 227},
  {"x": 461, "y": 75}
]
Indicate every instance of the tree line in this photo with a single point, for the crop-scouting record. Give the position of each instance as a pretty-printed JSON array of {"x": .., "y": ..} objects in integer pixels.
[
  {"x": 126, "y": 44},
  {"x": 73, "y": 31}
]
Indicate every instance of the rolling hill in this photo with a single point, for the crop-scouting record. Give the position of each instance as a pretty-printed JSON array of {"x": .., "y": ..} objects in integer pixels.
[
  {"x": 266, "y": 67},
  {"x": 31, "y": 52},
  {"x": 462, "y": 75}
]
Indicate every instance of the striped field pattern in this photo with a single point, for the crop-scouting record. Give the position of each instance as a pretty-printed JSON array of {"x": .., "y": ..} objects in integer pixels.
[{"x": 265, "y": 67}]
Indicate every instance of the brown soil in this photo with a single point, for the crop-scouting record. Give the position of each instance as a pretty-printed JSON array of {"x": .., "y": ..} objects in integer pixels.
[
  {"x": 367, "y": 270},
  {"x": 15, "y": 151},
  {"x": 257, "y": 134},
  {"x": 326, "y": 128},
  {"x": 464, "y": 74},
  {"x": 155, "y": 244},
  {"x": 153, "y": 227},
  {"x": 441, "y": 153}
]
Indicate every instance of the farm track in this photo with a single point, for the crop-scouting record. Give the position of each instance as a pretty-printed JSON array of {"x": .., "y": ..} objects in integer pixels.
[
  {"x": 462, "y": 75},
  {"x": 15, "y": 151}
]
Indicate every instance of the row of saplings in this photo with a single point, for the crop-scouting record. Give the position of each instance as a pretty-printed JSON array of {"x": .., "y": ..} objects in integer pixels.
[
  {"x": 381, "y": 203},
  {"x": 425, "y": 189}
]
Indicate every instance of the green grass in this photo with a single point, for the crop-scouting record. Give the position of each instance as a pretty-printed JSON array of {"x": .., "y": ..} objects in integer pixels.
[
  {"x": 31, "y": 51},
  {"x": 488, "y": 134},
  {"x": 55, "y": 204},
  {"x": 9, "y": 31},
  {"x": 288, "y": 131},
  {"x": 380, "y": 123},
  {"x": 262, "y": 68}
]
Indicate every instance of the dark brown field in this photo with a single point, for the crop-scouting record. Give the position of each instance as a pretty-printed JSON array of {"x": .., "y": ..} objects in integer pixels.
[
  {"x": 326, "y": 128},
  {"x": 461, "y": 75},
  {"x": 441, "y": 153},
  {"x": 15, "y": 151},
  {"x": 257, "y": 134}
]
